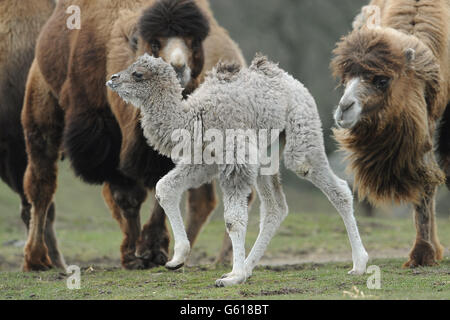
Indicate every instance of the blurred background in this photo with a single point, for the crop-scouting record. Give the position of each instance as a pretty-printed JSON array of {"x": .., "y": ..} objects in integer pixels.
[{"x": 300, "y": 35}]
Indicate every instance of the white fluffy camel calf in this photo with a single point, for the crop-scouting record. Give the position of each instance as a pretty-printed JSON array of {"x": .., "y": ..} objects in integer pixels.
[{"x": 262, "y": 97}]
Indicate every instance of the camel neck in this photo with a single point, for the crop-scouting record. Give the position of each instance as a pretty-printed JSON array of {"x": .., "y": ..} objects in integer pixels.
[{"x": 162, "y": 116}]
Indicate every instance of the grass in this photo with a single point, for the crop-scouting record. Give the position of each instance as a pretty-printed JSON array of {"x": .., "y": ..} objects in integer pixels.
[
  {"x": 307, "y": 259},
  {"x": 306, "y": 281}
]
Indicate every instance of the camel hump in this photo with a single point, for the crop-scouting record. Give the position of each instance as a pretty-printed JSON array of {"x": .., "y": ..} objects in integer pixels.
[
  {"x": 226, "y": 70},
  {"x": 262, "y": 64}
]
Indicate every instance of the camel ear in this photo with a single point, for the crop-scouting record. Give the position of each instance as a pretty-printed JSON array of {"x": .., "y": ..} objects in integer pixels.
[{"x": 410, "y": 55}]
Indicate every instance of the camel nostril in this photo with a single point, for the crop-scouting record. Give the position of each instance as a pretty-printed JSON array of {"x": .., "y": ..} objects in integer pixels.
[{"x": 346, "y": 105}]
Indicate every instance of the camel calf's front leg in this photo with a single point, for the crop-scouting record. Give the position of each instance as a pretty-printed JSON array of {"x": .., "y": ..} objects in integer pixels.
[{"x": 168, "y": 193}]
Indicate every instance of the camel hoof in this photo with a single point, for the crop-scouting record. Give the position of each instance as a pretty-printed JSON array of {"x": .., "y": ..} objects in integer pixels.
[
  {"x": 359, "y": 264},
  {"x": 181, "y": 253},
  {"x": 230, "y": 281},
  {"x": 42, "y": 265},
  {"x": 36, "y": 259},
  {"x": 30, "y": 267},
  {"x": 422, "y": 255},
  {"x": 412, "y": 264},
  {"x": 356, "y": 272},
  {"x": 153, "y": 247},
  {"x": 153, "y": 259},
  {"x": 134, "y": 264},
  {"x": 174, "y": 265}
]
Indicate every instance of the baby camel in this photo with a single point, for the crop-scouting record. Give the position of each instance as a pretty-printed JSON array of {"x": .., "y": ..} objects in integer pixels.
[{"x": 262, "y": 97}]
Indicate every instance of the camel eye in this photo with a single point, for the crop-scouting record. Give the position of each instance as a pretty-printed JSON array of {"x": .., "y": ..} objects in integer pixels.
[
  {"x": 381, "y": 82},
  {"x": 137, "y": 76}
]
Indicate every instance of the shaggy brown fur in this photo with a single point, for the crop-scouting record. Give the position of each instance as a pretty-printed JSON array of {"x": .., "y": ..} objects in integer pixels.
[
  {"x": 20, "y": 24},
  {"x": 99, "y": 132},
  {"x": 391, "y": 147}
]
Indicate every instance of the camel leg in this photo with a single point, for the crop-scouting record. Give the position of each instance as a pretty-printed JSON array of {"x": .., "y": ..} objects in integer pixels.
[
  {"x": 125, "y": 202},
  {"x": 153, "y": 244},
  {"x": 226, "y": 251},
  {"x": 337, "y": 191},
  {"x": 25, "y": 211},
  {"x": 169, "y": 191},
  {"x": 56, "y": 257},
  {"x": 235, "y": 198},
  {"x": 273, "y": 211},
  {"x": 427, "y": 248},
  {"x": 201, "y": 203},
  {"x": 50, "y": 237},
  {"x": 43, "y": 123},
  {"x": 435, "y": 239}
]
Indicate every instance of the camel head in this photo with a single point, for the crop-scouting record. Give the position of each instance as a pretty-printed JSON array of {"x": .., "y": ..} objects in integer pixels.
[
  {"x": 174, "y": 30},
  {"x": 147, "y": 78},
  {"x": 386, "y": 74}
]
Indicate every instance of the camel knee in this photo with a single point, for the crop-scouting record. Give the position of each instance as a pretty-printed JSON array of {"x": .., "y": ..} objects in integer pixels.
[
  {"x": 39, "y": 187},
  {"x": 283, "y": 211},
  {"x": 277, "y": 216},
  {"x": 166, "y": 193},
  {"x": 235, "y": 220},
  {"x": 234, "y": 225},
  {"x": 128, "y": 198},
  {"x": 344, "y": 199}
]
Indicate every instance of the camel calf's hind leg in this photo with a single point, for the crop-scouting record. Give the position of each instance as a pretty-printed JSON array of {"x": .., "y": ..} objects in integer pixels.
[
  {"x": 43, "y": 123},
  {"x": 236, "y": 185},
  {"x": 226, "y": 251},
  {"x": 273, "y": 211},
  {"x": 318, "y": 171}
]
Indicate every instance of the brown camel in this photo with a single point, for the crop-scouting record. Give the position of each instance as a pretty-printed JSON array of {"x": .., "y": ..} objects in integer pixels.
[
  {"x": 67, "y": 108},
  {"x": 397, "y": 88},
  {"x": 20, "y": 24}
]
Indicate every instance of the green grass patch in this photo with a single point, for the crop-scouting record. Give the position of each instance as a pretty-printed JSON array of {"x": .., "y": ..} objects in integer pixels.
[
  {"x": 308, "y": 258},
  {"x": 306, "y": 281}
]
